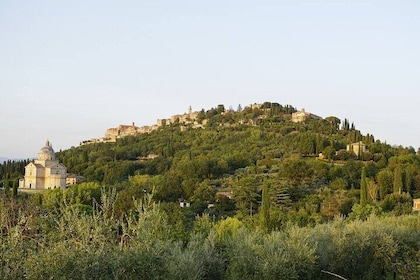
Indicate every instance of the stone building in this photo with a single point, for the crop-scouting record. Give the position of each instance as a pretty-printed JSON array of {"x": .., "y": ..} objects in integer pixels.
[
  {"x": 121, "y": 131},
  {"x": 74, "y": 179},
  {"x": 357, "y": 148},
  {"x": 302, "y": 115},
  {"x": 416, "y": 204},
  {"x": 45, "y": 172}
]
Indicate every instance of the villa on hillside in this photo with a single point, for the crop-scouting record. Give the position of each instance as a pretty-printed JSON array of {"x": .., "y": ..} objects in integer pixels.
[
  {"x": 73, "y": 179},
  {"x": 357, "y": 148},
  {"x": 302, "y": 115}
]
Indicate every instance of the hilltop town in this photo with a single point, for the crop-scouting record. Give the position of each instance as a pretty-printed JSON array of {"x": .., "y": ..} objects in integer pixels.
[
  {"x": 112, "y": 134},
  {"x": 189, "y": 119}
]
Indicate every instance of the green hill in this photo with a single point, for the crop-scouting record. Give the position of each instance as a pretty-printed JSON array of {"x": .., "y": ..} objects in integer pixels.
[
  {"x": 306, "y": 163},
  {"x": 254, "y": 194},
  {"x": 237, "y": 151}
]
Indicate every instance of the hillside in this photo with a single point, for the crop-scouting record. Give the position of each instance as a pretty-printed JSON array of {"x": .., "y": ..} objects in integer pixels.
[
  {"x": 258, "y": 193},
  {"x": 224, "y": 156},
  {"x": 306, "y": 162}
]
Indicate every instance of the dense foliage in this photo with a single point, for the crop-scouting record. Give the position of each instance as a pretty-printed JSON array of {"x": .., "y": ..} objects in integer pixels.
[
  {"x": 73, "y": 243},
  {"x": 264, "y": 204}
]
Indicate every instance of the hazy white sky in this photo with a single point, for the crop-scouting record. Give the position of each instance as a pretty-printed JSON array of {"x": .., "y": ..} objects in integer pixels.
[{"x": 71, "y": 69}]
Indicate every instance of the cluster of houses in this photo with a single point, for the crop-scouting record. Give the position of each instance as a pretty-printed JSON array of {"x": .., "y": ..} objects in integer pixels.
[
  {"x": 189, "y": 118},
  {"x": 112, "y": 134}
]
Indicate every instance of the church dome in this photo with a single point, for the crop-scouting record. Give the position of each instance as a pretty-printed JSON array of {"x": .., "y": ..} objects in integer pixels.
[{"x": 46, "y": 152}]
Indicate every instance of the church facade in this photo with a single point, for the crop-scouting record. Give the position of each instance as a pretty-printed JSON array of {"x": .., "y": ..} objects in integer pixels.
[{"x": 45, "y": 172}]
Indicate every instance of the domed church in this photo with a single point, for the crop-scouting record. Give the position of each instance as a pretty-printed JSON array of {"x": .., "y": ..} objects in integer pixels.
[{"x": 44, "y": 172}]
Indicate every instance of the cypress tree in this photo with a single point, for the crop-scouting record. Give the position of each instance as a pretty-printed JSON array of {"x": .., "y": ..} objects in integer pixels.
[
  {"x": 265, "y": 208},
  {"x": 15, "y": 189},
  {"x": 363, "y": 188},
  {"x": 6, "y": 186},
  {"x": 319, "y": 144},
  {"x": 408, "y": 180},
  {"x": 398, "y": 181}
]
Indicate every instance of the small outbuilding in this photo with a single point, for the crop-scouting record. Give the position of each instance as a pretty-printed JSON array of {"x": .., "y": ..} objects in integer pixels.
[{"x": 416, "y": 204}]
